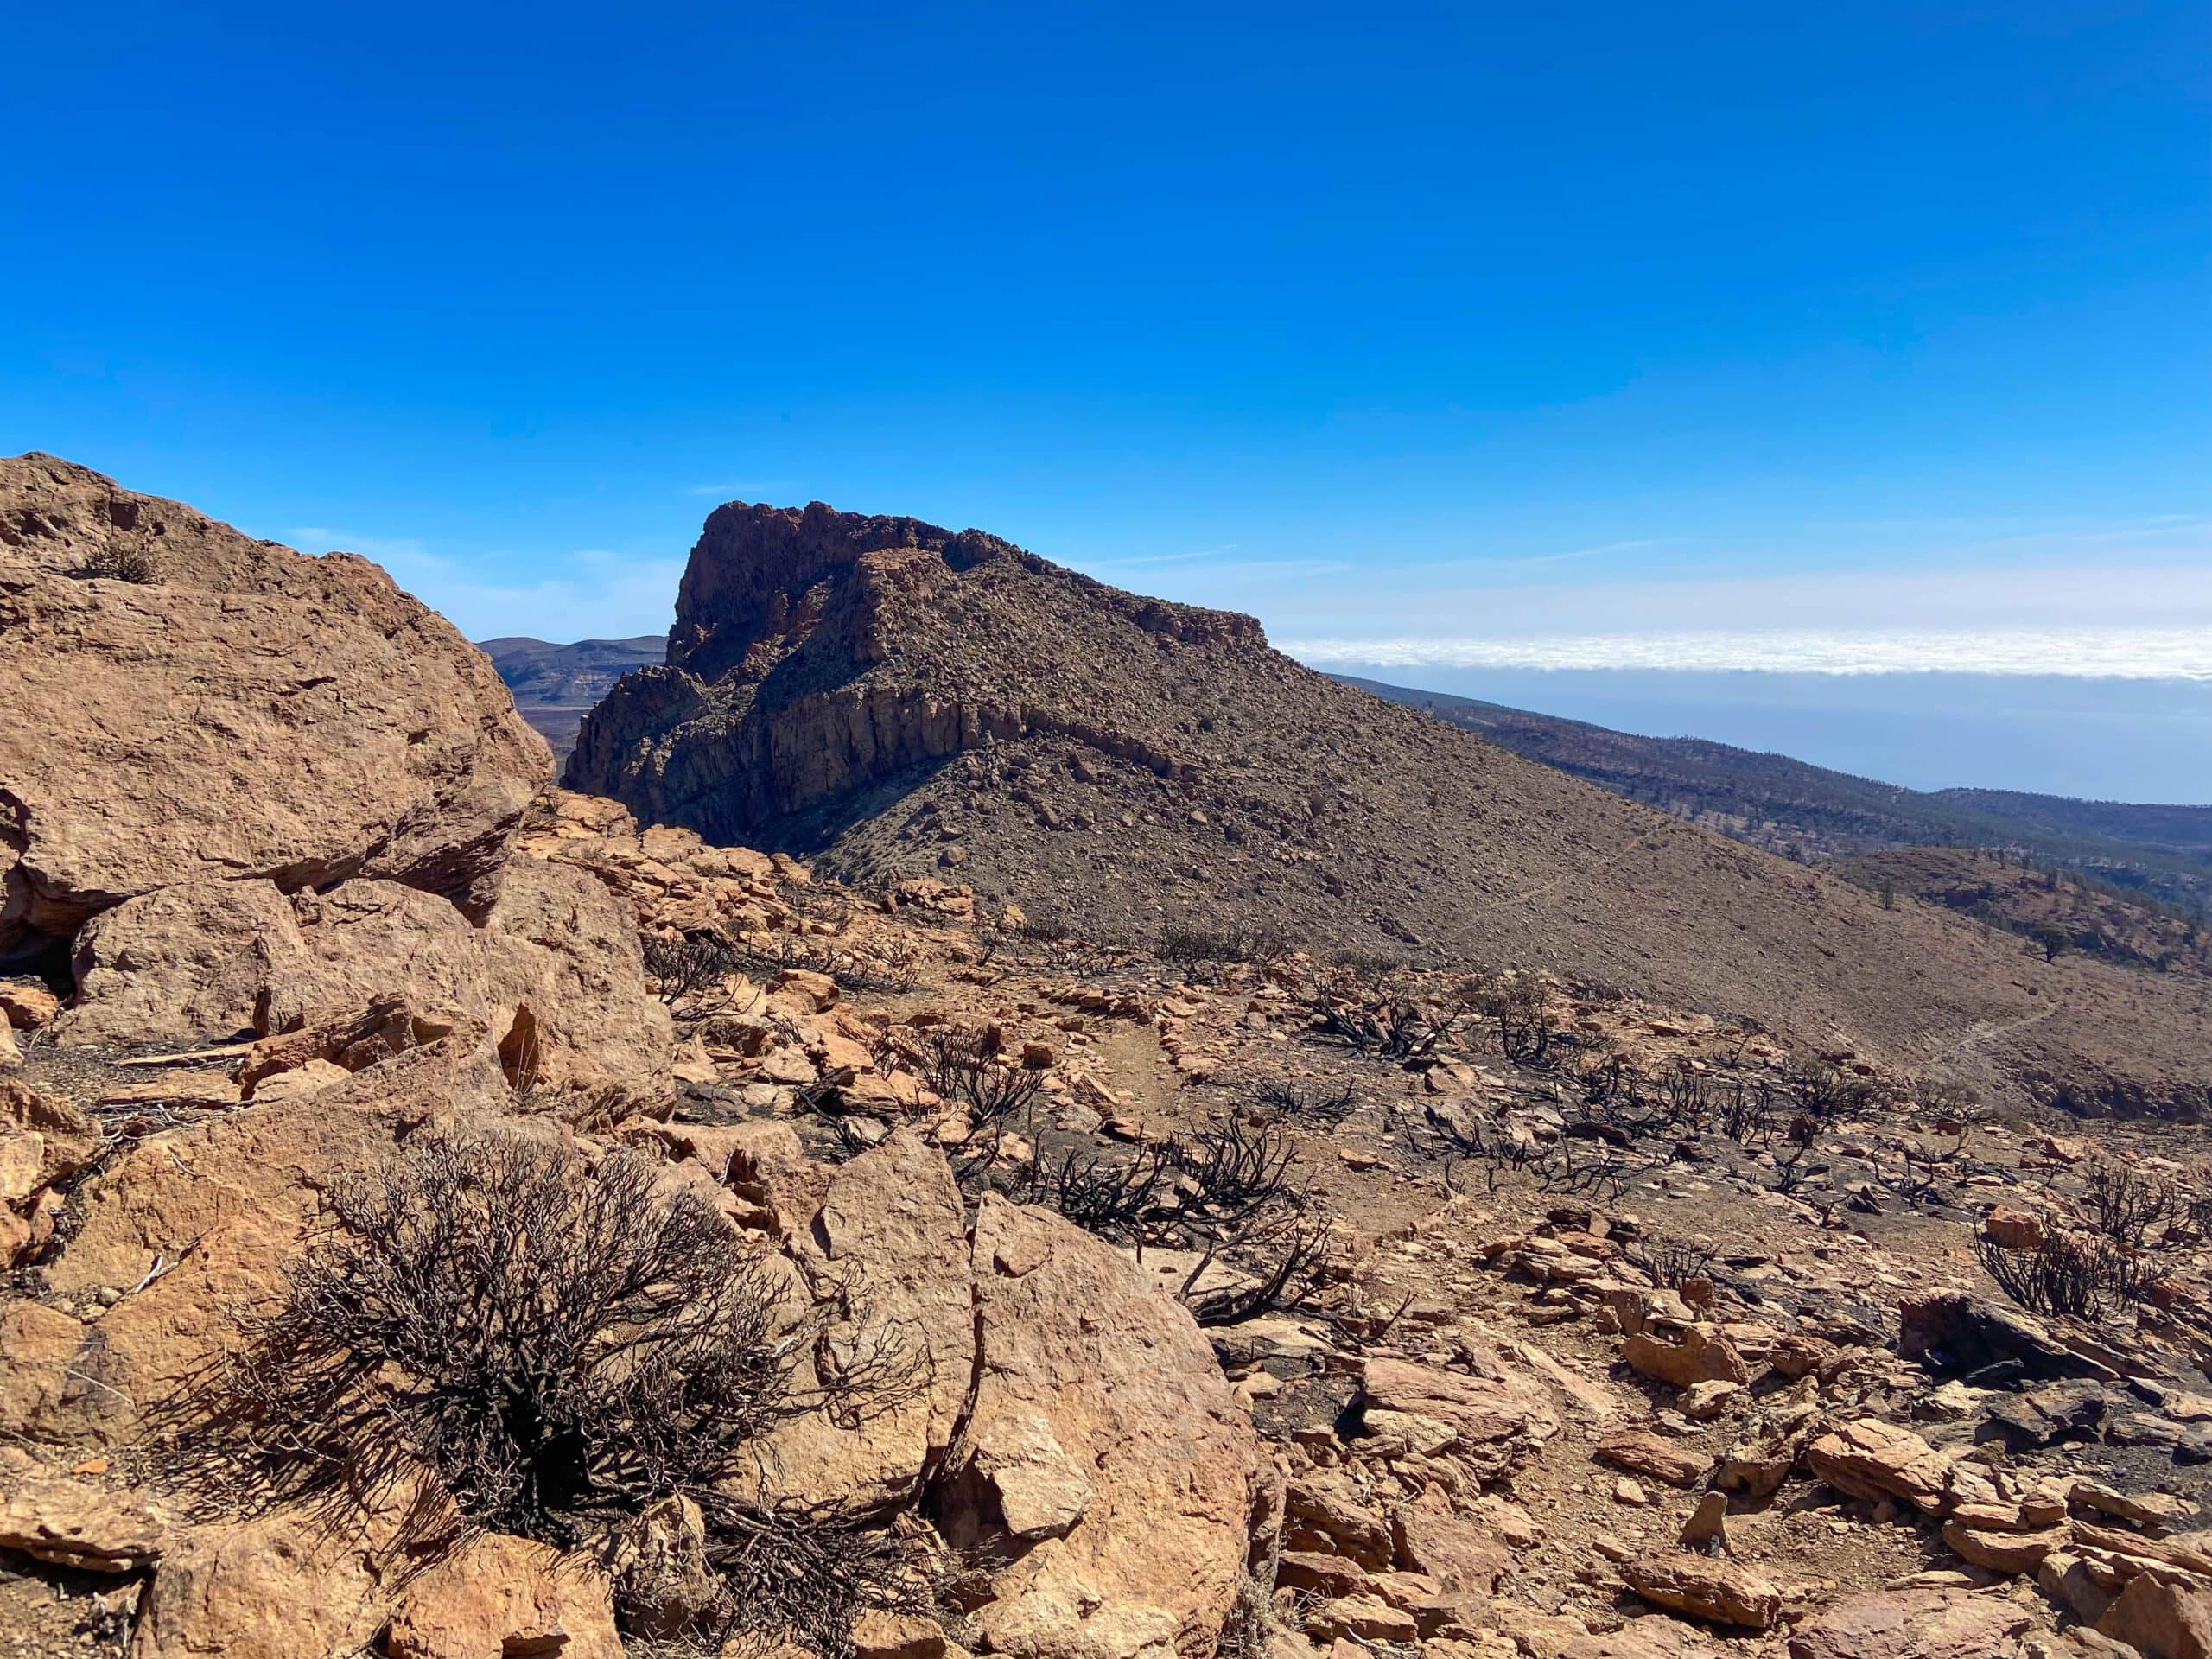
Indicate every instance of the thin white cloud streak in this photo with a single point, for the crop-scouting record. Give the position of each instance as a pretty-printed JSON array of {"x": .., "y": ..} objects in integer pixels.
[
  {"x": 2086, "y": 653},
  {"x": 589, "y": 594}
]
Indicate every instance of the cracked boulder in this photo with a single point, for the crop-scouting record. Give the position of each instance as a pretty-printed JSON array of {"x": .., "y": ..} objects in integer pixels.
[{"x": 1103, "y": 1452}]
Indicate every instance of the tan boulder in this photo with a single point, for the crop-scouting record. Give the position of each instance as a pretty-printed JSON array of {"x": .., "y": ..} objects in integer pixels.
[
  {"x": 1925, "y": 1623},
  {"x": 40, "y": 1400},
  {"x": 2162, "y": 1615},
  {"x": 1655, "y": 1636},
  {"x": 28, "y": 1007},
  {"x": 1104, "y": 1437},
  {"x": 2013, "y": 1229},
  {"x": 244, "y": 712},
  {"x": 310, "y": 1076},
  {"x": 67, "y": 1139},
  {"x": 1365, "y": 1619},
  {"x": 499, "y": 1598},
  {"x": 1718, "y": 1592},
  {"x": 1873, "y": 1459},
  {"x": 183, "y": 962},
  {"x": 568, "y": 983},
  {"x": 1642, "y": 1453},
  {"x": 354, "y": 1039},
  {"x": 1999, "y": 1550},
  {"x": 1326, "y": 1510},
  {"x": 1704, "y": 1355},
  {"x": 1492, "y": 1420},
  {"x": 364, "y": 939},
  {"x": 283, "y": 1585},
  {"x": 55, "y": 1517},
  {"x": 1458, "y": 1552}
]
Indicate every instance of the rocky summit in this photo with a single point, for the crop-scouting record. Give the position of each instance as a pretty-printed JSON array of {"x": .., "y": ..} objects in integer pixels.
[
  {"x": 448, "y": 1217},
  {"x": 896, "y": 701}
]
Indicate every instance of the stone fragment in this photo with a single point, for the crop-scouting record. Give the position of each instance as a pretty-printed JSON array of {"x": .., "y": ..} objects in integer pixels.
[
  {"x": 1928, "y": 1624},
  {"x": 1718, "y": 1592}
]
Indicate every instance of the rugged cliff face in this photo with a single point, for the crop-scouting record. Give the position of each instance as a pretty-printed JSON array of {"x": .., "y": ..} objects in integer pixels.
[{"x": 818, "y": 656}]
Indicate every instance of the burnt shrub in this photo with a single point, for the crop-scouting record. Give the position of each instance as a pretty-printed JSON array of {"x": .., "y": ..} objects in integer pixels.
[
  {"x": 2066, "y": 1274},
  {"x": 563, "y": 1344},
  {"x": 122, "y": 562}
]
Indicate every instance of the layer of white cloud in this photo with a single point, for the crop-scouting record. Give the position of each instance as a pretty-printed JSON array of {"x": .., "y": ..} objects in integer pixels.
[{"x": 2094, "y": 653}]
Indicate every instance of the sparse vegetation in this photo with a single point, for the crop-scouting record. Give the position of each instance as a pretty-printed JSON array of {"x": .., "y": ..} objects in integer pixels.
[{"x": 131, "y": 562}]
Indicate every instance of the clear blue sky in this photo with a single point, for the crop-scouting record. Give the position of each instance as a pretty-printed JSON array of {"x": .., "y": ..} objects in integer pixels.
[{"x": 1387, "y": 322}]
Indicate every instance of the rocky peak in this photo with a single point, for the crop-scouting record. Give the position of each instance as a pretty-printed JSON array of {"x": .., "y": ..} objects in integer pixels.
[{"x": 760, "y": 573}]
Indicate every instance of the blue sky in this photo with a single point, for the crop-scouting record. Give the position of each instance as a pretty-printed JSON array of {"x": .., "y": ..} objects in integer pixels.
[{"x": 1439, "y": 324}]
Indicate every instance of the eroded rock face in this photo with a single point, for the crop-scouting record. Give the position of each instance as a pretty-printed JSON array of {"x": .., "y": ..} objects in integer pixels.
[
  {"x": 505, "y": 1596},
  {"x": 228, "y": 709},
  {"x": 567, "y": 984},
  {"x": 281, "y": 1587},
  {"x": 891, "y": 1254},
  {"x": 553, "y": 981}
]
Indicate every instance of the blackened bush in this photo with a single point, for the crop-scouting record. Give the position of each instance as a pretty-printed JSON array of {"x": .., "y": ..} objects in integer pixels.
[
  {"x": 2063, "y": 1275},
  {"x": 122, "y": 562},
  {"x": 1317, "y": 1106},
  {"x": 561, "y": 1344},
  {"x": 1384, "y": 1018},
  {"x": 683, "y": 964}
]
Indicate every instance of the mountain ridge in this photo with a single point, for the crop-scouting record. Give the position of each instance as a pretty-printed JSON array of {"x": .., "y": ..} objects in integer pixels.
[{"x": 949, "y": 706}]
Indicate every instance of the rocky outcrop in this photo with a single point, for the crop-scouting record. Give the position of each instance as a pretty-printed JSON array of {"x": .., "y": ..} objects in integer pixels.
[
  {"x": 895, "y": 700},
  {"x": 184, "y": 701},
  {"x": 783, "y": 692}
]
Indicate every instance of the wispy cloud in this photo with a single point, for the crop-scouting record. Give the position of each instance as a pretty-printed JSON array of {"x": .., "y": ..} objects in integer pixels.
[
  {"x": 2089, "y": 653},
  {"x": 588, "y": 592},
  {"x": 1597, "y": 552}
]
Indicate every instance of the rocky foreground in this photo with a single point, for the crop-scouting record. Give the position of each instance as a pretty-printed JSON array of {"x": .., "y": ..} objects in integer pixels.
[{"x": 1189, "y": 1295}]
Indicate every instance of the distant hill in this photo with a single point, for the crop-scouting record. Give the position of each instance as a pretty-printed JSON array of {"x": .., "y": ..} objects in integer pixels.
[
  {"x": 1816, "y": 815},
  {"x": 898, "y": 701},
  {"x": 554, "y": 685},
  {"x": 2054, "y": 911}
]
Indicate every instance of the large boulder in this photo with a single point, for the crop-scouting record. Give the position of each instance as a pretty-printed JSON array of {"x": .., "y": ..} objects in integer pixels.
[
  {"x": 279, "y": 1586},
  {"x": 553, "y": 980},
  {"x": 184, "y": 700},
  {"x": 1104, "y": 1454},
  {"x": 185, "y": 962},
  {"x": 501, "y": 1595}
]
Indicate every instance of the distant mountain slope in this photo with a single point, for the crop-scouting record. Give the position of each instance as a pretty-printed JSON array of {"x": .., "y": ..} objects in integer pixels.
[
  {"x": 2054, "y": 910},
  {"x": 554, "y": 684},
  {"x": 1814, "y": 815},
  {"x": 2185, "y": 831},
  {"x": 896, "y": 699}
]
